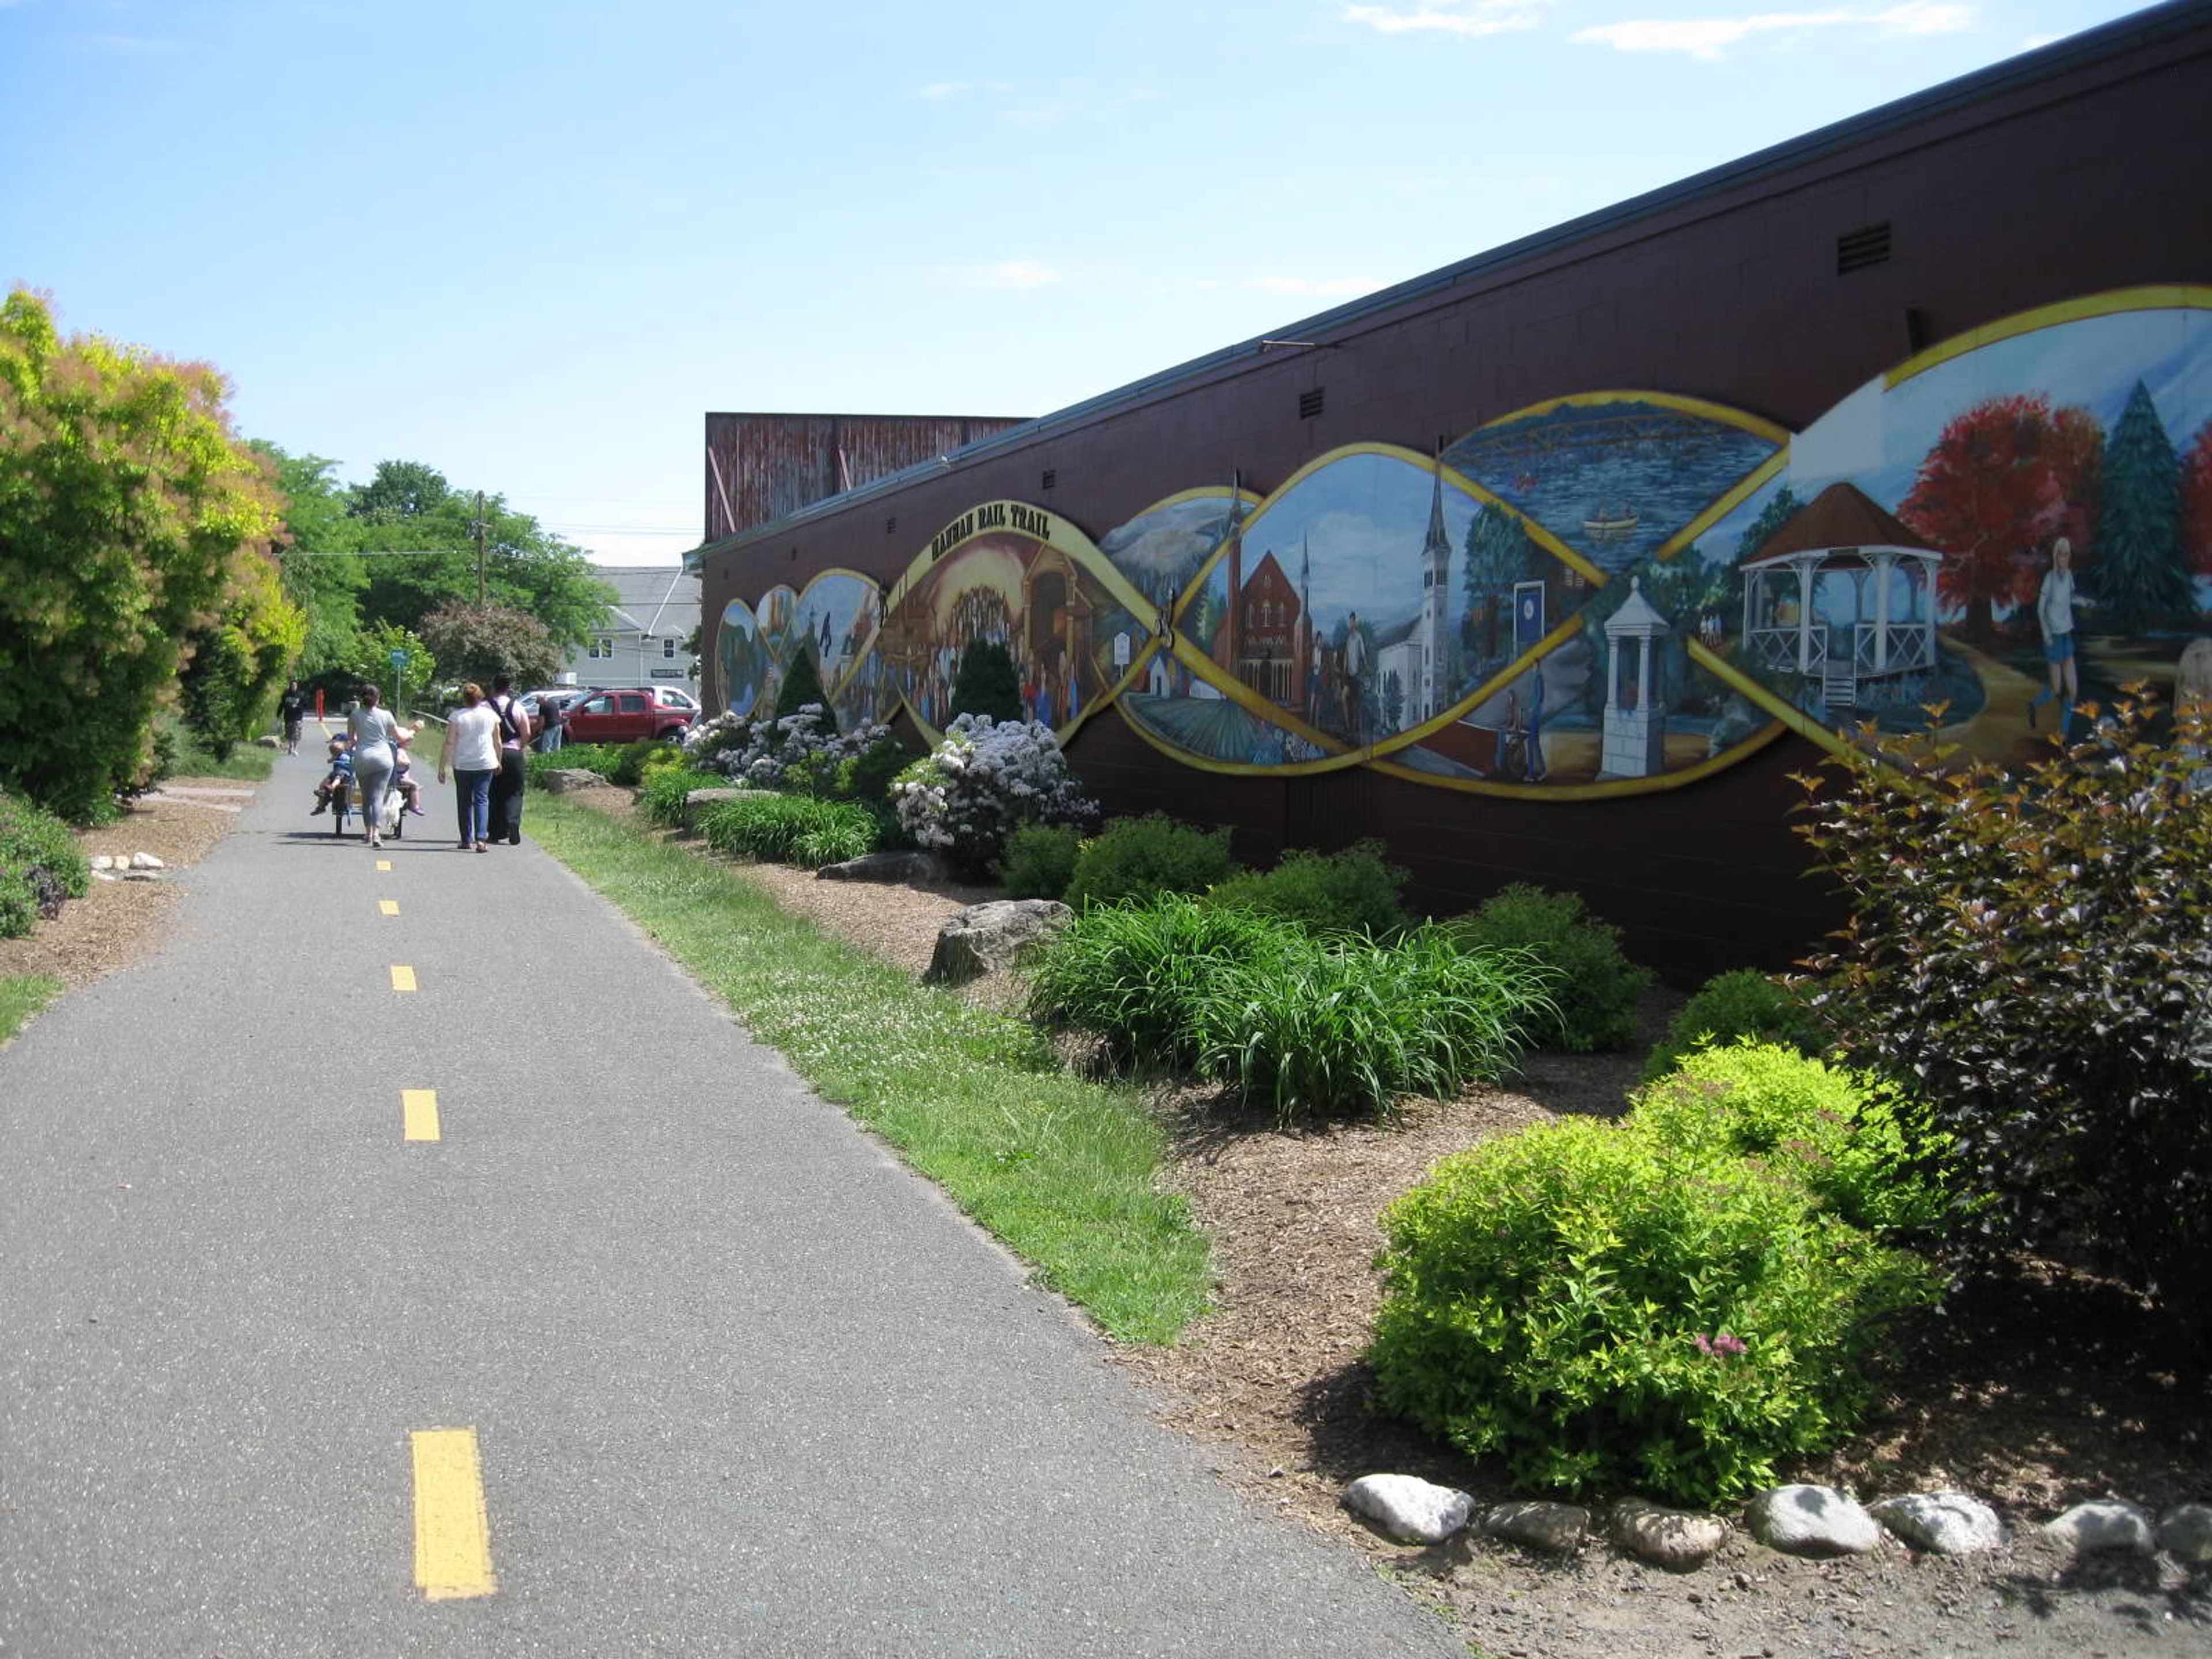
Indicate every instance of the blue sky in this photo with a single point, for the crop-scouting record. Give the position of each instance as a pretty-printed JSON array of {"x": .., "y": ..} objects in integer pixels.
[{"x": 532, "y": 244}]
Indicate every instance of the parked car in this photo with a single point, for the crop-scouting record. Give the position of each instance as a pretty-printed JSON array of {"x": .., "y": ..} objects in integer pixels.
[{"x": 627, "y": 714}]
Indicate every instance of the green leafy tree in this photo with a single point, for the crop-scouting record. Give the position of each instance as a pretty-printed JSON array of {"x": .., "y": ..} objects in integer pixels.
[
  {"x": 802, "y": 684},
  {"x": 128, "y": 514},
  {"x": 2142, "y": 579},
  {"x": 237, "y": 663},
  {"x": 402, "y": 687},
  {"x": 480, "y": 644},
  {"x": 1771, "y": 517},
  {"x": 1498, "y": 554},
  {"x": 985, "y": 684},
  {"x": 320, "y": 573}
]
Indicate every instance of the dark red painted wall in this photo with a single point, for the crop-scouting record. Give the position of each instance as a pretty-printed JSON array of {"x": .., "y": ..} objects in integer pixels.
[{"x": 2085, "y": 179}]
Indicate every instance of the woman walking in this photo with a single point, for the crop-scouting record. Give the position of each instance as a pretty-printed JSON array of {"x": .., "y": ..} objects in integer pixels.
[
  {"x": 375, "y": 737},
  {"x": 471, "y": 752}
]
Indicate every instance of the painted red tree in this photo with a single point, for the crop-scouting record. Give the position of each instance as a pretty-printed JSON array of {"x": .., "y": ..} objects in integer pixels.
[
  {"x": 2196, "y": 503},
  {"x": 2005, "y": 479}
]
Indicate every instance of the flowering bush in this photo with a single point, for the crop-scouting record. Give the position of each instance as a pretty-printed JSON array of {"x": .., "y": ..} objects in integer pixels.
[
  {"x": 800, "y": 754},
  {"x": 986, "y": 778}
]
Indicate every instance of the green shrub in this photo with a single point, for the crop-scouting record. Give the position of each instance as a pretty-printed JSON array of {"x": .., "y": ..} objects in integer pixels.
[
  {"x": 1351, "y": 891},
  {"x": 1597, "y": 988},
  {"x": 2032, "y": 952},
  {"x": 1040, "y": 861},
  {"x": 667, "y": 788},
  {"x": 1741, "y": 1003},
  {"x": 40, "y": 865},
  {"x": 797, "y": 829},
  {"x": 599, "y": 757},
  {"x": 1132, "y": 975},
  {"x": 985, "y": 684},
  {"x": 1345, "y": 1026},
  {"x": 1142, "y": 858},
  {"x": 1844, "y": 1135},
  {"x": 632, "y": 758},
  {"x": 1599, "y": 1311}
]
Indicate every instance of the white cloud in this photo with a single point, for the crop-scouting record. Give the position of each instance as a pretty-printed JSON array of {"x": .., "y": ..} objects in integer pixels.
[
  {"x": 1331, "y": 288},
  {"x": 1007, "y": 273},
  {"x": 1461, "y": 17},
  {"x": 1713, "y": 37}
]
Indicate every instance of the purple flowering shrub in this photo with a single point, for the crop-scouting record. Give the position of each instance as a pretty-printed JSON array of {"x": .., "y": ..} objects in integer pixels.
[{"x": 1602, "y": 1310}]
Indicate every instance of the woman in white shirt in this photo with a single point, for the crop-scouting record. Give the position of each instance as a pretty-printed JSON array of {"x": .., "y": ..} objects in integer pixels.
[{"x": 472, "y": 750}]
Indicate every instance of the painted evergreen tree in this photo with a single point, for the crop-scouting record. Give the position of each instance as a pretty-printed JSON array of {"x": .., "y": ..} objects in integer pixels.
[
  {"x": 986, "y": 683},
  {"x": 1771, "y": 517},
  {"x": 802, "y": 684},
  {"x": 2141, "y": 581}
]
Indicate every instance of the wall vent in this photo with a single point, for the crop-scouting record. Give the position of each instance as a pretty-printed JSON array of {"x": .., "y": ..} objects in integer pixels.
[
  {"x": 1051, "y": 477},
  {"x": 1309, "y": 403},
  {"x": 1857, "y": 249}
]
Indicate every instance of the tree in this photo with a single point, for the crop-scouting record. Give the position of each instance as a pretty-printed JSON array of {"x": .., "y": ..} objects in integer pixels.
[
  {"x": 130, "y": 515},
  {"x": 2142, "y": 580},
  {"x": 238, "y": 662},
  {"x": 400, "y": 490},
  {"x": 480, "y": 644},
  {"x": 802, "y": 684},
  {"x": 985, "y": 684},
  {"x": 318, "y": 575},
  {"x": 1498, "y": 554},
  {"x": 2005, "y": 479},
  {"x": 1771, "y": 517}
]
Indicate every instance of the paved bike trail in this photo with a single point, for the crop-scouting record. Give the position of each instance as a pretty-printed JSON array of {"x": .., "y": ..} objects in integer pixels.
[{"x": 739, "y": 1382}]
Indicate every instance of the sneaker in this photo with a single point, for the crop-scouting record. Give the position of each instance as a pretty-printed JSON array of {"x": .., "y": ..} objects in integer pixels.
[{"x": 321, "y": 807}]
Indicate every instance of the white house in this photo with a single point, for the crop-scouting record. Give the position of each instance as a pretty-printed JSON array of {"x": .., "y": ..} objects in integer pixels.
[{"x": 645, "y": 637}]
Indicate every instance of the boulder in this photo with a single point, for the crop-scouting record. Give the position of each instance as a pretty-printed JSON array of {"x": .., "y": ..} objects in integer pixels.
[
  {"x": 2108, "y": 1527},
  {"x": 1817, "y": 1520},
  {"x": 565, "y": 779},
  {"x": 1407, "y": 1507},
  {"x": 1947, "y": 1522},
  {"x": 985, "y": 938},
  {"x": 146, "y": 862},
  {"x": 103, "y": 861},
  {"x": 269, "y": 743},
  {"x": 1555, "y": 1527},
  {"x": 1677, "y": 1539},
  {"x": 917, "y": 869},
  {"x": 2184, "y": 1532},
  {"x": 700, "y": 802}
]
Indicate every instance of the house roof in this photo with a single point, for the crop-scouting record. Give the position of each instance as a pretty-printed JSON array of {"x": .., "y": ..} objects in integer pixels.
[
  {"x": 662, "y": 600},
  {"x": 1842, "y": 515}
]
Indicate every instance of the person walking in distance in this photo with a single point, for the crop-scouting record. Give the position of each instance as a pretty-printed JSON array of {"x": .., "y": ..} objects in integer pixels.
[
  {"x": 471, "y": 753},
  {"x": 513, "y": 738},
  {"x": 292, "y": 709},
  {"x": 375, "y": 738}
]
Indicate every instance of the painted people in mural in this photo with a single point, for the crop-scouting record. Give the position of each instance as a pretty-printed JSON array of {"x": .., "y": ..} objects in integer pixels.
[{"x": 2054, "y": 618}]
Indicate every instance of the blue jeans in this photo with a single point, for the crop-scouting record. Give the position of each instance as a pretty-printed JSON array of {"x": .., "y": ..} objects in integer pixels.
[{"x": 472, "y": 804}]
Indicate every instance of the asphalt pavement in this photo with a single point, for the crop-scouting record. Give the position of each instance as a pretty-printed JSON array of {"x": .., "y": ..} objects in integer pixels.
[{"x": 649, "y": 1351}]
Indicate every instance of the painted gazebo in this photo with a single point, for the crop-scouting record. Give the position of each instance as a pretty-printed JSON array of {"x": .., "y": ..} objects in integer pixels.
[
  {"x": 1634, "y": 745},
  {"x": 1886, "y": 651}
]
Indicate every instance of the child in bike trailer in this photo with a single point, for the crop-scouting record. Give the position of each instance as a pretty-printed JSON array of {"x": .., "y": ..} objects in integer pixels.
[{"x": 339, "y": 778}]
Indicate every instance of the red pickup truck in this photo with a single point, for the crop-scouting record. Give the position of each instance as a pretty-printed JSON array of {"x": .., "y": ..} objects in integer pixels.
[{"x": 620, "y": 716}]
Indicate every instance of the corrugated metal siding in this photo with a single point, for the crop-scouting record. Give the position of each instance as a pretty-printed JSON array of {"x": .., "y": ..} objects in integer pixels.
[{"x": 760, "y": 467}]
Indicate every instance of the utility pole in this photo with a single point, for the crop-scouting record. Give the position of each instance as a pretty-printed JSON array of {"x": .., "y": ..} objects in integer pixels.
[{"x": 479, "y": 527}]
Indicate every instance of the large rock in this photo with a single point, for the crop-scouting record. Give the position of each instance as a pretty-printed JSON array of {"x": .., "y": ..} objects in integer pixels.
[
  {"x": 985, "y": 938},
  {"x": 700, "y": 802},
  {"x": 1816, "y": 1520},
  {"x": 1406, "y": 1506},
  {"x": 1555, "y": 1527},
  {"x": 2184, "y": 1532},
  {"x": 567, "y": 780},
  {"x": 2108, "y": 1527},
  {"x": 918, "y": 869},
  {"x": 1947, "y": 1522},
  {"x": 1677, "y": 1539}
]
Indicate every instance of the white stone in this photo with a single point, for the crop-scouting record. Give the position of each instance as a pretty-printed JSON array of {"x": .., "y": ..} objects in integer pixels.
[
  {"x": 2108, "y": 1526},
  {"x": 101, "y": 861},
  {"x": 1947, "y": 1522},
  {"x": 2184, "y": 1532},
  {"x": 1420, "y": 1511},
  {"x": 146, "y": 862},
  {"x": 106, "y": 875},
  {"x": 984, "y": 938},
  {"x": 1803, "y": 1520},
  {"x": 1679, "y": 1538},
  {"x": 142, "y": 875},
  {"x": 1540, "y": 1526}
]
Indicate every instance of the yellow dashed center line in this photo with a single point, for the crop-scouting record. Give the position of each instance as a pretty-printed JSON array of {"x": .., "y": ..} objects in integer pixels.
[
  {"x": 403, "y": 978},
  {"x": 384, "y": 863},
  {"x": 418, "y": 1114},
  {"x": 452, "y": 1535},
  {"x": 389, "y": 907}
]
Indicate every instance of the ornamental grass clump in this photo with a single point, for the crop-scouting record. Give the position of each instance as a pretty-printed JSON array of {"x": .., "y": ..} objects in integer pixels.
[
  {"x": 666, "y": 790},
  {"x": 984, "y": 779},
  {"x": 1602, "y": 1311},
  {"x": 1346, "y": 1025},
  {"x": 2031, "y": 953},
  {"x": 795, "y": 829}
]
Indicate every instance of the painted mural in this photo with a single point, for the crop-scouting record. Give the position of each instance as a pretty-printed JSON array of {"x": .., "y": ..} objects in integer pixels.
[{"x": 1611, "y": 592}]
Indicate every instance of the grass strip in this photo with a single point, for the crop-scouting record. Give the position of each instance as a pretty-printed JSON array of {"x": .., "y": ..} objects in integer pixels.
[
  {"x": 22, "y": 996},
  {"x": 1062, "y": 1170}
]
